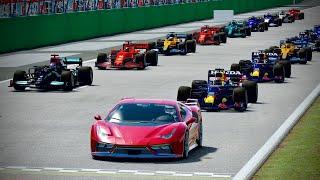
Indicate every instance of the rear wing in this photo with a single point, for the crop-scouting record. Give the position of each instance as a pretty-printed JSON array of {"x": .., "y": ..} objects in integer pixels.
[
  {"x": 130, "y": 45},
  {"x": 180, "y": 35},
  {"x": 72, "y": 60}
]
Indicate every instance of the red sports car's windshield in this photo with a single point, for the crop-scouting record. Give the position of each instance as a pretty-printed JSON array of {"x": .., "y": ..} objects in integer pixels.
[{"x": 143, "y": 114}]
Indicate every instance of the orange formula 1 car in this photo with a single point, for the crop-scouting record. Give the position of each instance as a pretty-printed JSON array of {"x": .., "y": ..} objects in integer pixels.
[
  {"x": 131, "y": 56},
  {"x": 209, "y": 35}
]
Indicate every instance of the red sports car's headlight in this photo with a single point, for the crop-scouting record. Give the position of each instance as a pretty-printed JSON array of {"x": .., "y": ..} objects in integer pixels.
[
  {"x": 169, "y": 135},
  {"x": 103, "y": 133}
]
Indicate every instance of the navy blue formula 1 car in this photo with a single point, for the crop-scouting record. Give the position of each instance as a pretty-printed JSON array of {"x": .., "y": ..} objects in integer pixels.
[
  {"x": 307, "y": 40},
  {"x": 264, "y": 67},
  {"x": 223, "y": 90},
  {"x": 54, "y": 76},
  {"x": 238, "y": 29},
  {"x": 272, "y": 20},
  {"x": 257, "y": 24},
  {"x": 175, "y": 44}
]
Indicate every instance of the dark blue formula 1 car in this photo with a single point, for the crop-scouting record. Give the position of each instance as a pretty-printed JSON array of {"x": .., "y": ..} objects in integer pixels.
[
  {"x": 264, "y": 67},
  {"x": 238, "y": 29},
  {"x": 223, "y": 90},
  {"x": 54, "y": 76},
  {"x": 176, "y": 43},
  {"x": 272, "y": 20},
  {"x": 257, "y": 24},
  {"x": 305, "y": 40}
]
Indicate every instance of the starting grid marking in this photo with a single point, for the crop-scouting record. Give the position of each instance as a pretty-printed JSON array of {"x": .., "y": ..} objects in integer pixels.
[{"x": 108, "y": 171}]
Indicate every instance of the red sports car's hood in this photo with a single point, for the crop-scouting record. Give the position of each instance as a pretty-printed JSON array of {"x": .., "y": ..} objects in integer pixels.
[{"x": 139, "y": 135}]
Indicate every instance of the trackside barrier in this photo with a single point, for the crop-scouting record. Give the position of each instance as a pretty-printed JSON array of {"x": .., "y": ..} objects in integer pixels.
[
  {"x": 252, "y": 166},
  {"x": 19, "y": 33}
]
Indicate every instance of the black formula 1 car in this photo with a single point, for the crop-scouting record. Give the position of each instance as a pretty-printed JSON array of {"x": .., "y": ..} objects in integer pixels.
[{"x": 54, "y": 76}]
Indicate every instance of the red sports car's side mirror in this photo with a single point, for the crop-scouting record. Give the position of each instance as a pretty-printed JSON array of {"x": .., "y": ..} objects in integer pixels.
[
  {"x": 191, "y": 120},
  {"x": 97, "y": 117}
]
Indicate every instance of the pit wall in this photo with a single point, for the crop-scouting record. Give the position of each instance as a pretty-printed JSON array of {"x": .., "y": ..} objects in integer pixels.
[{"x": 20, "y": 33}]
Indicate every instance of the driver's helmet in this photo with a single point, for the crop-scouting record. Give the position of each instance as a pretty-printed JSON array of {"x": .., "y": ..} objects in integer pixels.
[
  {"x": 53, "y": 66},
  {"x": 205, "y": 30},
  {"x": 234, "y": 23},
  {"x": 170, "y": 38},
  {"x": 171, "y": 35},
  {"x": 126, "y": 49}
]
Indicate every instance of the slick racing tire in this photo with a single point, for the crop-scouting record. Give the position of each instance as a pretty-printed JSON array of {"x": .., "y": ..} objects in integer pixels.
[
  {"x": 235, "y": 67},
  {"x": 196, "y": 83},
  {"x": 217, "y": 38},
  {"x": 266, "y": 26},
  {"x": 301, "y": 16},
  {"x": 183, "y": 93},
  {"x": 240, "y": 96},
  {"x": 19, "y": 76},
  {"x": 303, "y": 54},
  {"x": 309, "y": 54},
  {"x": 152, "y": 45},
  {"x": 141, "y": 58},
  {"x": 68, "y": 79},
  {"x": 191, "y": 46},
  {"x": 248, "y": 31},
  {"x": 102, "y": 57},
  {"x": 252, "y": 90},
  {"x": 278, "y": 70},
  {"x": 85, "y": 75},
  {"x": 152, "y": 57},
  {"x": 261, "y": 27},
  {"x": 223, "y": 37},
  {"x": 287, "y": 67}
]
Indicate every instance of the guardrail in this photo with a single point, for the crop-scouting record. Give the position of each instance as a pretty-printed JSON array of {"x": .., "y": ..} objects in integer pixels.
[{"x": 19, "y": 33}]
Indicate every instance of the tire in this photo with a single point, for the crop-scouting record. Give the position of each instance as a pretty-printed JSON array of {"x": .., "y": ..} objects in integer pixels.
[
  {"x": 183, "y": 93},
  {"x": 217, "y": 38},
  {"x": 252, "y": 90},
  {"x": 191, "y": 46},
  {"x": 309, "y": 54},
  {"x": 152, "y": 57},
  {"x": 152, "y": 45},
  {"x": 287, "y": 67},
  {"x": 266, "y": 26},
  {"x": 240, "y": 96},
  {"x": 261, "y": 28},
  {"x": 67, "y": 78},
  {"x": 244, "y": 62},
  {"x": 243, "y": 31},
  {"x": 235, "y": 67},
  {"x": 278, "y": 70},
  {"x": 102, "y": 57},
  {"x": 19, "y": 76},
  {"x": 301, "y": 16},
  {"x": 186, "y": 146},
  {"x": 303, "y": 54},
  {"x": 85, "y": 75},
  {"x": 196, "y": 83},
  {"x": 248, "y": 32},
  {"x": 223, "y": 37},
  {"x": 141, "y": 58}
]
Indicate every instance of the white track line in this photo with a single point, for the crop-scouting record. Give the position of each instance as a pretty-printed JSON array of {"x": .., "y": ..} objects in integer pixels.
[{"x": 251, "y": 167}]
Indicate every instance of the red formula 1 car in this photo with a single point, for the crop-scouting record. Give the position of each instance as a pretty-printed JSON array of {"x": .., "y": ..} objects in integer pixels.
[
  {"x": 131, "y": 56},
  {"x": 296, "y": 13},
  {"x": 147, "y": 128},
  {"x": 209, "y": 35}
]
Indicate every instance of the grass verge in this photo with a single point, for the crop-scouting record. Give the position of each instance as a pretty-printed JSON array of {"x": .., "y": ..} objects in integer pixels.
[{"x": 298, "y": 156}]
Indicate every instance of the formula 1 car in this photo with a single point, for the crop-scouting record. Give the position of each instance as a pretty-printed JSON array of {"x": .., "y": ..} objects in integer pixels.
[
  {"x": 176, "y": 44},
  {"x": 238, "y": 29},
  {"x": 316, "y": 30},
  {"x": 264, "y": 67},
  {"x": 307, "y": 39},
  {"x": 209, "y": 35},
  {"x": 286, "y": 17},
  {"x": 272, "y": 20},
  {"x": 131, "y": 56},
  {"x": 257, "y": 24},
  {"x": 296, "y": 13},
  {"x": 223, "y": 90},
  {"x": 147, "y": 128},
  {"x": 55, "y": 76}
]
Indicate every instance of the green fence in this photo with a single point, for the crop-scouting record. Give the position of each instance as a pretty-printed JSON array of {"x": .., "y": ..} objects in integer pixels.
[{"x": 35, "y": 31}]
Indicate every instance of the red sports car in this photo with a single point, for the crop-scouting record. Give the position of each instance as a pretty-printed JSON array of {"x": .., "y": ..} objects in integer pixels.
[{"x": 147, "y": 128}]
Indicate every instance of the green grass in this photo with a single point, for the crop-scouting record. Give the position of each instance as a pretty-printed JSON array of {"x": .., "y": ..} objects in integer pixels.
[{"x": 298, "y": 156}]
